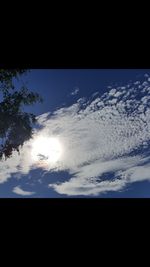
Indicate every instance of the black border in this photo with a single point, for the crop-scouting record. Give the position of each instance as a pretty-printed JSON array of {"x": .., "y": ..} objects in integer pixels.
[
  {"x": 71, "y": 208},
  {"x": 85, "y": 53}
]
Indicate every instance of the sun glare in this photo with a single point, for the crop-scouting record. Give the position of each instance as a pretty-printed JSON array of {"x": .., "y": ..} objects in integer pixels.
[{"x": 46, "y": 150}]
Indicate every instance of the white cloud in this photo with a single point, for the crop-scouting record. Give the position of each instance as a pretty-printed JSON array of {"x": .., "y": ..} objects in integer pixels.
[
  {"x": 85, "y": 182},
  {"x": 112, "y": 92},
  {"x": 98, "y": 138},
  {"x": 76, "y": 187},
  {"x": 17, "y": 190},
  {"x": 75, "y": 91},
  {"x": 118, "y": 94},
  {"x": 17, "y": 164}
]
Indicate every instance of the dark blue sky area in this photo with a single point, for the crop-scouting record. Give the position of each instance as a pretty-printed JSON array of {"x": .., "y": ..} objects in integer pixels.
[{"x": 55, "y": 86}]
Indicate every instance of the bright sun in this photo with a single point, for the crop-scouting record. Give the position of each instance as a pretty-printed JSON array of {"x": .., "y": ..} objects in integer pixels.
[{"x": 46, "y": 149}]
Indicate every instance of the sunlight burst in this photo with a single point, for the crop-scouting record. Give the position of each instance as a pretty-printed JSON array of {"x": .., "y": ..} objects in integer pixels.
[{"x": 46, "y": 150}]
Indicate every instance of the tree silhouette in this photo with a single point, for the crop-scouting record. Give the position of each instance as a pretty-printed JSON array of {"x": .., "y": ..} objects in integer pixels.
[{"x": 15, "y": 124}]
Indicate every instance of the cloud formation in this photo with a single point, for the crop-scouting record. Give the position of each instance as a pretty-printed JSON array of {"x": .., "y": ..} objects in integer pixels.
[
  {"x": 105, "y": 142},
  {"x": 17, "y": 190}
]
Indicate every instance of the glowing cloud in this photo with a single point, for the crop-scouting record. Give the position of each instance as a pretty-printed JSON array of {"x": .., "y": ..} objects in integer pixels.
[{"x": 47, "y": 149}]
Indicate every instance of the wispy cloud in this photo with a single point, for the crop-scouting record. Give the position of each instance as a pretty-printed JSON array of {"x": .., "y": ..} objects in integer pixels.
[
  {"x": 75, "y": 91},
  {"x": 99, "y": 137},
  {"x": 17, "y": 190}
]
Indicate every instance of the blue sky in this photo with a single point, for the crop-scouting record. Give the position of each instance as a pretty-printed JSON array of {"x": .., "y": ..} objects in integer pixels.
[
  {"x": 103, "y": 146},
  {"x": 56, "y": 85}
]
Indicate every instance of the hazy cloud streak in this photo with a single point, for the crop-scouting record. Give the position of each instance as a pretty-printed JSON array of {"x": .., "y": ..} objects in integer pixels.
[{"x": 17, "y": 190}]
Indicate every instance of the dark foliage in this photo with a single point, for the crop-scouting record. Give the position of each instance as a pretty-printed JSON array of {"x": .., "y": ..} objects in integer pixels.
[{"x": 15, "y": 124}]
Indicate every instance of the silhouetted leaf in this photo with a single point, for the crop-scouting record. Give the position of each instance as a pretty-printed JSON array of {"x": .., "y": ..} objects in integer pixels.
[{"x": 15, "y": 125}]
